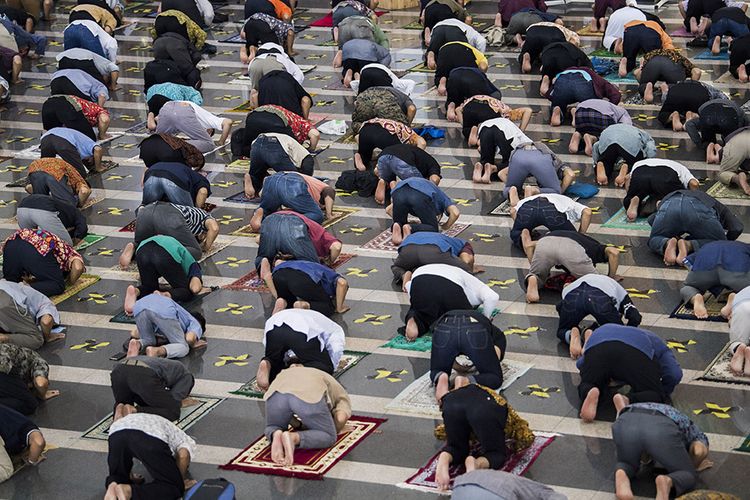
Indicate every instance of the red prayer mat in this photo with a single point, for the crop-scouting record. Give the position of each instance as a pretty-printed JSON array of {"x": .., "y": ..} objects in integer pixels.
[
  {"x": 308, "y": 464},
  {"x": 327, "y": 20}
]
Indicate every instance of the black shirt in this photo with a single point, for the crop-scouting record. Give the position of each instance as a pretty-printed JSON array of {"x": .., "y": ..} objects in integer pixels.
[
  {"x": 593, "y": 248},
  {"x": 416, "y": 157},
  {"x": 70, "y": 216},
  {"x": 732, "y": 13}
]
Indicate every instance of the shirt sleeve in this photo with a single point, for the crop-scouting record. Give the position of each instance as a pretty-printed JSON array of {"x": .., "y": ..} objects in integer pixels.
[
  {"x": 40, "y": 304},
  {"x": 189, "y": 319},
  {"x": 207, "y": 11},
  {"x": 487, "y": 295},
  {"x": 207, "y": 119},
  {"x": 671, "y": 373},
  {"x": 98, "y": 88},
  {"x": 444, "y": 201},
  {"x": 340, "y": 402},
  {"x": 335, "y": 344},
  {"x": 476, "y": 39},
  {"x": 181, "y": 387}
]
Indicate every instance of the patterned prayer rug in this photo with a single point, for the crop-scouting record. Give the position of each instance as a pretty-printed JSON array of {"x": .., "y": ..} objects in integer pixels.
[
  {"x": 720, "y": 190},
  {"x": 681, "y": 32},
  {"x": 421, "y": 344},
  {"x": 339, "y": 214},
  {"x": 718, "y": 371},
  {"x": 250, "y": 389},
  {"x": 308, "y": 464},
  {"x": 708, "y": 55},
  {"x": 419, "y": 397},
  {"x": 327, "y": 20},
  {"x": 130, "y": 226},
  {"x": 251, "y": 282},
  {"x": 383, "y": 240},
  {"x": 713, "y": 306},
  {"x": 604, "y": 53},
  {"x": 189, "y": 415},
  {"x": 89, "y": 240},
  {"x": 420, "y": 68},
  {"x": 744, "y": 446},
  {"x": 586, "y": 31},
  {"x": 616, "y": 78},
  {"x": 620, "y": 221},
  {"x": 85, "y": 281},
  {"x": 241, "y": 198},
  {"x": 217, "y": 247},
  {"x": 517, "y": 463}
]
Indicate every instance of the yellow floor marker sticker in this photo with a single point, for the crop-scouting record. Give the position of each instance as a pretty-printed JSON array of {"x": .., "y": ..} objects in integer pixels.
[
  {"x": 13, "y": 168},
  {"x": 464, "y": 202},
  {"x": 232, "y": 262},
  {"x": 89, "y": 345},
  {"x": 717, "y": 411},
  {"x": 484, "y": 237},
  {"x": 241, "y": 360},
  {"x": 228, "y": 219},
  {"x": 4, "y": 203},
  {"x": 96, "y": 298},
  {"x": 113, "y": 177},
  {"x": 539, "y": 391},
  {"x": 524, "y": 333},
  {"x": 102, "y": 252},
  {"x": 373, "y": 319},
  {"x": 641, "y": 294},
  {"x": 113, "y": 211},
  {"x": 233, "y": 308},
  {"x": 452, "y": 166},
  {"x": 356, "y": 229},
  {"x": 502, "y": 284},
  {"x": 680, "y": 346},
  {"x": 359, "y": 273},
  {"x": 224, "y": 184},
  {"x": 389, "y": 375}
]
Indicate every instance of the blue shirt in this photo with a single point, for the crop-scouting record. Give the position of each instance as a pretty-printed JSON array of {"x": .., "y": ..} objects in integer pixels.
[
  {"x": 84, "y": 82},
  {"x": 733, "y": 256},
  {"x": 320, "y": 274},
  {"x": 168, "y": 309},
  {"x": 81, "y": 141},
  {"x": 175, "y": 92},
  {"x": 439, "y": 199},
  {"x": 443, "y": 242},
  {"x": 585, "y": 75},
  {"x": 690, "y": 432},
  {"x": 646, "y": 342}
]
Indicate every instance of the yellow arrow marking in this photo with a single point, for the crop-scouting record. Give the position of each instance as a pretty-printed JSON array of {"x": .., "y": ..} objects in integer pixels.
[
  {"x": 360, "y": 273},
  {"x": 240, "y": 360},
  {"x": 233, "y": 308},
  {"x": 89, "y": 345},
  {"x": 373, "y": 319},
  {"x": 500, "y": 283},
  {"x": 233, "y": 262}
]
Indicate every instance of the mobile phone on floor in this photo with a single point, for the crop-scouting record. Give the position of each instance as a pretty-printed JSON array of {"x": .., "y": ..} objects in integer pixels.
[{"x": 117, "y": 356}]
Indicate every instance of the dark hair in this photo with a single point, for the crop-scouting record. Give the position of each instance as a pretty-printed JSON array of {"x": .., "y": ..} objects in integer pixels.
[{"x": 201, "y": 320}]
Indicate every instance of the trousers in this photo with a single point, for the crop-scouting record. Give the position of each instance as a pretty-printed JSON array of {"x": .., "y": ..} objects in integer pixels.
[
  {"x": 650, "y": 184},
  {"x": 285, "y": 234},
  {"x": 552, "y": 251},
  {"x": 289, "y": 190},
  {"x": 309, "y": 353},
  {"x": 44, "y": 183},
  {"x": 408, "y": 201},
  {"x": 148, "y": 322},
  {"x": 535, "y": 213},
  {"x": 141, "y": 386},
  {"x": 713, "y": 280},
  {"x": 526, "y": 163},
  {"x": 153, "y": 261},
  {"x": 21, "y": 258},
  {"x": 163, "y": 218},
  {"x": 52, "y": 145},
  {"x": 14, "y": 394},
  {"x": 432, "y": 296},
  {"x": 163, "y": 189},
  {"x": 319, "y": 428},
  {"x": 33, "y": 218},
  {"x": 293, "y": 285},
  {"x": 19, "y": 324},
  {"x": 411, "y": 257},
  {"x": 682, "y": 214},
  {"x": 583, "y": 301}
]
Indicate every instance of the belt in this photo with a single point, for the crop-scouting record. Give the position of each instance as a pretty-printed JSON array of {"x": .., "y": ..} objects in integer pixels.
[
  {"x": 646, "y": 411},
  {"x": 134, "y": 362}
]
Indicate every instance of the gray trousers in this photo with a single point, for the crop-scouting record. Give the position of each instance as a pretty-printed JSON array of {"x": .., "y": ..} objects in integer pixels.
[
  {"x": 163, "y": 218},
  {"x": 558, "y": 251},
  {"x": 636, "y": 432},
  {"x": 698, "y": 282},
  {"x": 33, "y": 218},
  {"x": 19, "y": 324},
  {"x": 148, "y": 322},
  {"x": 320, "y": 431},
  {"x": 411, "y": 257}
]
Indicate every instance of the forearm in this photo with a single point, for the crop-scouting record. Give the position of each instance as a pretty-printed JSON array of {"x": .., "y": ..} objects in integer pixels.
[
  {"x": 585, "y": 221},
  {"x": 182, "y": 457}
]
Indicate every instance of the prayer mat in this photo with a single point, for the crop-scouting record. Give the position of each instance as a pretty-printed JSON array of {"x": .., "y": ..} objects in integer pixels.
[
  {"x": 123, "y": 318},
  {"x": 383, "y": 240},
  {"x": 250, "y": 389},
  {"x": 236, "y": 38},
  {"x": 19, "y": 183},
  {"x": 107, "y": 165},
  {"x": 140, "y": 129},
  {"x": 337, "y": 85},
  {"x": 634, "y": 100},
  {"x": 744, "y": 446},
  {"x": 708, "y": 55},
  {"x": 713, "y": 306},
  {"x": 241, "y": 198},
  {"x": 726, "y": 77},
  {"x": 681, "y": 32},
  {"x": 604, "y": 53},
  {"x": 130, "y": 226},
  {"x": 616, "y": 78},
  {"x": 718, "y": 371},
  {"x": 308, "y": 464},
  {"x": 240, "y": 166},
  {"x": 251, "y": 282},
  {"x": 327, "y": 20},
  {"x": 620, "y": 221},
  {"x": 217, "y": 247},
  {"x": 419, "y": 397},
  {"x": 421, "y": 344},
  {"x": 92, "y": 200},
  {"x": 245, "y": 107},
  {"x": 414, "y": 25},
  {"x": 586, "y": 31},
  {"x": 188, "y": 417},
  {"x": 517, "y": 463},
  {"x": 720, "y": 190},
  {"x": 89, "y": 240},
  {"x": 339, "y": 214},
  {"x": 85, "y": 281},
  {"x": 420, "y": 68}
]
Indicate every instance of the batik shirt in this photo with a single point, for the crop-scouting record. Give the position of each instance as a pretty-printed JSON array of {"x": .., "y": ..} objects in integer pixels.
[
  {"x": 22, "y": 362},
  {"x": 45, "y": 242}
]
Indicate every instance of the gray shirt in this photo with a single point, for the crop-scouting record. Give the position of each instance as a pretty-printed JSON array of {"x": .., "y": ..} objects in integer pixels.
[
  {"x": 29, "y": 301},
  {"x": 631, "y": 139},
  {"x": 366, "y": 50},
  {"x": 503, "y": 485},
  {"x": 176, "y": 378}
]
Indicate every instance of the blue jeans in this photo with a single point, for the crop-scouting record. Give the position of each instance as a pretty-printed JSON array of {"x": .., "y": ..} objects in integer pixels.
[
  {"x": 265, "y": 154},
  {"x": 682, "y": 214},
  {"x": 162, "y": 189},
  {"x": 406, "y": 201},
  {"x": 569, "y": 89},
  {"x": 26, "y": 39},
  {"x": 724, "y": 27},
  {"x": 148, "y": 323},
  {"x": 390, "y": 167},
  {"x": 78, "y": 36},
  {"x": 538, "y": 212},
  {"x": 581, "y": 302},
  {"x": 285, "y": 234},
  {"x": 290, "y": 190}
]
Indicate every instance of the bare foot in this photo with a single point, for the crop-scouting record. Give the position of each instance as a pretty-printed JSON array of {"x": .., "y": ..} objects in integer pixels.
[
  {"x": 620, "y": 402},
  {"x": 277, "y": 448},
  {"x": 280, "y": 305},
  {"x": 134, "y": 347},
  {"x": 470, "y": 463},
  {"x": 716, "y": 46},
  {"x": 156, "y": 352},
  {"x": 126, "y": 257},
  {"x": 632, "y": 212},
  {"x": 556, "y": 118},
  {"x": 263, "y": 375},
  {"x": 286, "y": 440},
  {"x": 623, "y": 490},
  {"x": 746, "y": 371},
  {"x": 588, "y": 408},
  {"x": 738, "y": 360},
  {"x": 588, "y": 144},
  {"x": 111, "y": 493},
  {"x": 575, "y": 143},
  {"x": 532, "y": 289},
  {"x": 343, "y": 309},
  {"x": 684, "y": 248},
  {"x": 489, "y": 169},
  {"x": 601, "y": 175},
  {"x": 620, "y": 180},
  {"x": 131, "y": 295},
  {"x": 478, "y": 169},
  {"x": 648, "y": 93},
  {"x": 442, "y": 387},
  {"x": 443, "y": 475},
  {"x": 670, "y": 252},
  {"x": 663, "y": 487},
  {"x": 699, "y": 307},
  {"x": 396, "y": 235},
  {"x": 526, "y": 64},
  {"x": 576, "y": 347}
]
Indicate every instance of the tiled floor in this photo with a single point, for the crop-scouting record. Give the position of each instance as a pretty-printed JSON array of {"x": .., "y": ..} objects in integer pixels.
[{"x": 579, "y": 462}]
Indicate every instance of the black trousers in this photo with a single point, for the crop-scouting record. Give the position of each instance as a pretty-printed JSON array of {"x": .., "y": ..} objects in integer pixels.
[
  {"x": 457, "y": 333},
  {"x": 468, "y": 82},
  {"x": 58, "y": 112},
  {"x": 283, "y": 338},
  {"x": 52, "y": 146},
  {"x": 86, "y": 65},
  {"x": 537, "y": 38},
  {"x": 475, "y": 113},
  {"x": 470, "y": 410},
  {"x": 154, "y": 150},
  {"x": 407, "y": 200},
  {"x": 557, "y": 59},
  {"x": 372, "y": 136},
  {"x": 140, "y": 385},
  {"x": 654, "y": 183},
  {"x": 451, "y": 57},
  {"x": 432, "y": 296},
  {"x": 16, "y": 395},
  {"x": 682, "y": 97},
  {"x": 661, "y": 69},
  {"x": 637, "y": 39},
  {"x": 613, "y": 154},
  {"x": 21, "y": 258},
  {"x": 153, "y": 262},
  {"x": 490, "y": 140},
  {"x": 374, "y": 77},
  {"x": 293, "y": 285},
  {"x": 615, "y": 360},
  {"x": 154, "y": 454},
  {"x": 444, "y": 34},
  {"x": 63, "y": 86}
]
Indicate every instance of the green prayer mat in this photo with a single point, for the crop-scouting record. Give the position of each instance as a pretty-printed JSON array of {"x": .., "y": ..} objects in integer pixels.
[
  {"x": 620, "y": 221},
  {"x": 420, "y": 68},
  {"x": 414, "y": 25},
  {"x": 250, "y": 388},
  {"x": 422, "y": 344},
  {"x": 720, "y": 190},
  {"x": 745, "y": 446},
  {"x": 604, "y": 53},
  {"x": 89, "y": 240}
]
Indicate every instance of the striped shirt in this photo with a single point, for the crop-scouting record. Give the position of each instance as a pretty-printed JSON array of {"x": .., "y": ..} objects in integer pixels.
[{"x": 195, "y": 218}]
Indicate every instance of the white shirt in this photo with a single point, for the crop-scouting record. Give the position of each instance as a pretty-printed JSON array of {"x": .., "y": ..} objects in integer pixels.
[
  {"x": 103, "y": 65},
  {"x": 403, "y": 84},
  {"x": 157, "y": 427},
  {"x": 472, "y": 35},
  {"x": 616, "y": 24},
  {"x": 601, "y": 281},
  {"x": 742, "y": 296},
  {"x": 477, "y": 293},
  {"x": 572, "y": 209},
  {"x": 206, "y": 10},
  {"x": 683, "y": 172},
  {"x": 509, "y": 129},
  {"x": 313, "y": 325},
  {"x": 280, "y": 56},
  {"x": 108, "y": 43},
  {"x": 205, "y": 118}
]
